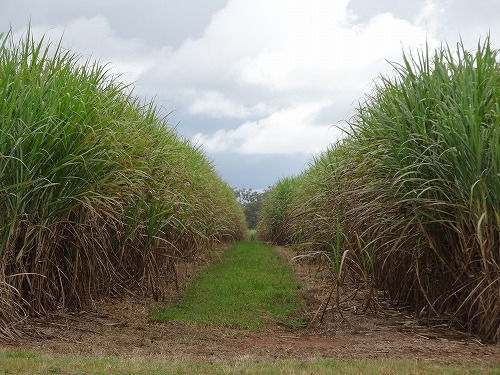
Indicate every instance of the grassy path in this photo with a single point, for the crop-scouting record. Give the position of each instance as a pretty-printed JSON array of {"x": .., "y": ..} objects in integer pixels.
[{"x": 252, "y": 286}]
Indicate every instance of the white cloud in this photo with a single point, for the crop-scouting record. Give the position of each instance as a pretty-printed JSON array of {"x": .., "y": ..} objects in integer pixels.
[
  {"x": 282, "y": 46},
  {"x": 215, "y": 104},
  {"x": 296, "y": 51},
  {"x": 288, "y": 131},
  {"x": 430, "y": 17}
]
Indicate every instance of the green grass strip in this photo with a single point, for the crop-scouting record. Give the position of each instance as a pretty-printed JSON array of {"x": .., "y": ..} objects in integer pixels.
[
  {"x": 250, "y": 287},
  {"x": 28, "y": 362}
]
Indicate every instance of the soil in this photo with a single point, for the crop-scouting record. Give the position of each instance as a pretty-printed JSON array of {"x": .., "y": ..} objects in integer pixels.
[{"x": 122, "y": 328}]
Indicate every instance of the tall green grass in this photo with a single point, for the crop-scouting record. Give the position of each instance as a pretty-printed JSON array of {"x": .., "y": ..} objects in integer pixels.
[
  {"x": 415, "y": 188},
  {"x": 98, "y": 194},
  {"x": 275, "y": 213}
]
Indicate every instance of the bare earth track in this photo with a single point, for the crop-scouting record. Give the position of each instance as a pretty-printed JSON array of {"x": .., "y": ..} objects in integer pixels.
[{"x": 121, "y": 328}]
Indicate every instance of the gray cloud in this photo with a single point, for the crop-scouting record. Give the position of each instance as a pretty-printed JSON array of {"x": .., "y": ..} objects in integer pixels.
[
  {"x": 156, "y": 22},
  {"x": 258, "y": 171},
  {"x": 367, "y": 9}
]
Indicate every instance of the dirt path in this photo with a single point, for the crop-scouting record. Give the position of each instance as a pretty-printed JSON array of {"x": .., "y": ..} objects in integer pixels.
[{"x": 122, "y": 328}]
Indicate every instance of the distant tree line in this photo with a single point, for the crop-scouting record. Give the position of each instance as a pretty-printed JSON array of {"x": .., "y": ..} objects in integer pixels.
[{"x": 252, "y": 203}]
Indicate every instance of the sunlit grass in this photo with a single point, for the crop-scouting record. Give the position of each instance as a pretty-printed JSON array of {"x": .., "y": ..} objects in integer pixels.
[{"x": 251, "y": 286}]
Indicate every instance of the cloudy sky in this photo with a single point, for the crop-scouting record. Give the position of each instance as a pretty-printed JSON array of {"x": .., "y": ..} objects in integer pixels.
[{"x": 263, "y": 85}]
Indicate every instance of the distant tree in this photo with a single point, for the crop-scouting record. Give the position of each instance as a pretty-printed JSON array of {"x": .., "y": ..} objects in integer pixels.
[{"x": 252, "y": 202}]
